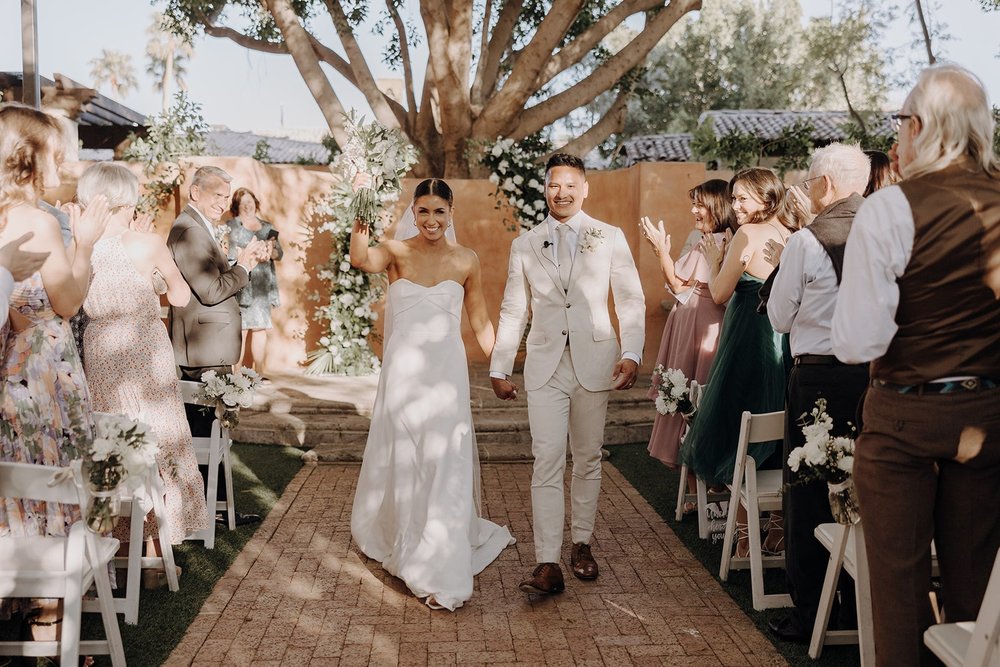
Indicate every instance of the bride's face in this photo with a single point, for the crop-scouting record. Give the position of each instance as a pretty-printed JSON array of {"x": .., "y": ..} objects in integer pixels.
[{"x": 433, "y": 215}]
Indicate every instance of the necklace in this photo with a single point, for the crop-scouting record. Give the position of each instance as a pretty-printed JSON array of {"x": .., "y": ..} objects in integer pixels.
[{"x": 778, "y": 228}]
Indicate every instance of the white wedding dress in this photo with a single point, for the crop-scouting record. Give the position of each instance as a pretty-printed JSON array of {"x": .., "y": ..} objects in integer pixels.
[{"x": 416, "y": 509}]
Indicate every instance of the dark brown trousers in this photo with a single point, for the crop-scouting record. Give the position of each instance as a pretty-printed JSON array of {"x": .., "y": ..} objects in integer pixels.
[{"x": 914, "y": 485}]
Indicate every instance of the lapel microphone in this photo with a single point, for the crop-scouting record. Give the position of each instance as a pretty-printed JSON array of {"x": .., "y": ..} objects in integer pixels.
[{"x": 547, "y": 244}]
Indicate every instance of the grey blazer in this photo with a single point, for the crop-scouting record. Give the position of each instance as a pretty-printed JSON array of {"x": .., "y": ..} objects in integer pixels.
[{"x": 206, "y": 332}]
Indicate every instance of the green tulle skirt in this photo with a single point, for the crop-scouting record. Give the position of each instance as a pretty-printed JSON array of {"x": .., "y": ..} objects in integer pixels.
[{"x": 749, "y": 373}]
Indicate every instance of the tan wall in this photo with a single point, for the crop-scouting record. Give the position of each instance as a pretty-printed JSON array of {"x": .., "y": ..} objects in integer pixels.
[{"x": 620, "y": 197}]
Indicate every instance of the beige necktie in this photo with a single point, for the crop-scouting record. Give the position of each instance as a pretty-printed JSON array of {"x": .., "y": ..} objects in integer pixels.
[{"x": 565, "y": 254}]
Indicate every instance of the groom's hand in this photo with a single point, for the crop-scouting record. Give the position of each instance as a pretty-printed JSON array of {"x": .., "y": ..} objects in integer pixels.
[
  {"x": 504, "y": 389},
  {"x": 624, "y": 375}
]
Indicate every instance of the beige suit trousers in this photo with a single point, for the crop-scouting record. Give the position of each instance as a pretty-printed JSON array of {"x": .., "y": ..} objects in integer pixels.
[{"x": 561, "y": 409}]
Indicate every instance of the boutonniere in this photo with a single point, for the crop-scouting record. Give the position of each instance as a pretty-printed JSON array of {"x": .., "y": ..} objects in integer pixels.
[{"x": 592, "y": 237}]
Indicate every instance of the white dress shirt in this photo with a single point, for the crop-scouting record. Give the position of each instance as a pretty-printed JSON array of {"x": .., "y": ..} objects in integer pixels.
[
  {"x": 6, "y": 287},
  {"x": 878, "y": 251},
  {"x": 211, "y": 230},
  {"x": 804, "y": 295}
]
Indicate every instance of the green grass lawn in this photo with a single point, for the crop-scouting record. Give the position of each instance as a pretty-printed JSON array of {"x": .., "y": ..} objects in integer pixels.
[
  {"x": 658, "y": 485},
  {"x": 260, "y": 474}
]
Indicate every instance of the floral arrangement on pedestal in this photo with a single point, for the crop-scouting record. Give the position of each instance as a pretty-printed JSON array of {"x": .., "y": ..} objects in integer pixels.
[
  {"x": 230, "y": 392},
  {"x": 673, "y": 392},
  {"x": 516, "y": 171},
  {"x": 827, "y": 458},
  {"x": 385, "y": 155},
  {"x": 122, "y": 453}
]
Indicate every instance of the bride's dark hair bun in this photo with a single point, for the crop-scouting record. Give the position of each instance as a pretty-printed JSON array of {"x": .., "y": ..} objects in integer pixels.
[{"x": 435, "y": 187}]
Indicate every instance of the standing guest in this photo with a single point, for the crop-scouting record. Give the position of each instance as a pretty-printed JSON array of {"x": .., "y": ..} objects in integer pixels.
[
  {"x": 562, "y": 272},
  {"x": 691, "y": 333},
  {"x": 882, "y": 172},
  {"x": 749, "y": 369},
  {"x": 44, "y": 401},
  {"x": 16, "y": 265},
  {"x": 803, "y": 296},
  {"x": 206, "y": 332},
  {"x": 261, "y": 294},
  {"x": 914, "y": 303},
  {"x": 129, "y": 360}
]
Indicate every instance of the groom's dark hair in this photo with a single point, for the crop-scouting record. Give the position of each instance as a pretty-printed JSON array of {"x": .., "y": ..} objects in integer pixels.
[{"x": 565, "y": 160}]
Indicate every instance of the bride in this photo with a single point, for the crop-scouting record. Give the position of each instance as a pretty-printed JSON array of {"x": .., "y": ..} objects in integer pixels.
[{"x": 416, "y": 508}]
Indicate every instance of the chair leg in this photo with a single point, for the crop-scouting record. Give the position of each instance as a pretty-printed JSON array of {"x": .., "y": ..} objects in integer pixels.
[
  {"x": 163, "y": 530},
  {"x": 833, "y": 568},
  {"x": 756, "y": 562},
  {"x": 131, "y": 607},
  {"x": 108, "y": 615},
  {"x": 682, "y": 495},
  {"x": 211, "y": 499},
  {"x": 703, "y": 522},
  {"x": 727, "y": 540},
  {"x": 863, "y": 595},
  {"x": 230, "y": 500}
]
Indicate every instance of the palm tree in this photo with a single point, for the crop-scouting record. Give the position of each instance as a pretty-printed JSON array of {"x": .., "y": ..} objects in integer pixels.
[
  {"x": 114, "y": 68},
  {"x": 166, "y": 54}
]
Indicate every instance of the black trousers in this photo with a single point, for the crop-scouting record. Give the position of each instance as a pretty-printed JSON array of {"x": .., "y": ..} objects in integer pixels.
[
  {"x": 807, "y": 505},
  {"x": 200, "y": 420}
]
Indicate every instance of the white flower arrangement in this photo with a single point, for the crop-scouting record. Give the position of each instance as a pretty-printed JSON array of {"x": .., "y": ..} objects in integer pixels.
[
  {"x": 673, "y": 391},
  {"x": 230, "y": 392},
  {"x": 514, "y": 169},
  {"x": 592, "y": 238},
  {"x": 122, "y": 452},
  {"x": 348, "y": 305}
]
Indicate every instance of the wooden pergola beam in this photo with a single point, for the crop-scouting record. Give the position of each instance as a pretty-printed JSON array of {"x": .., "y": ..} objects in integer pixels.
[{"x": 31, "y": 92}]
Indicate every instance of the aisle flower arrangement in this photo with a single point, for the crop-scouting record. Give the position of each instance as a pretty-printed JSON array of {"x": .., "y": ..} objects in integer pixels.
[
  {"x": 827, "y": 458},
  {"x": 122, "y": 452},
  {"x": 517, "y": 174},
  {"x": 673, "y": 392},
  {"x": 347, "y": 306},
  {"x": 230, "y": 392}
]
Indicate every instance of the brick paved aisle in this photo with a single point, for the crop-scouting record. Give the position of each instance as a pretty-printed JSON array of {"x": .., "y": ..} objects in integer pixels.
[{"x": 301, "y": 594}]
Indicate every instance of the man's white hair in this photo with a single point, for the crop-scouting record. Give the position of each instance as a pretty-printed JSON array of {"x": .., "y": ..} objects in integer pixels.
[
  {"x": 845, "y": 164},
  {"x": 956, "y": 121},
  {"x": 205, "y": 174}
]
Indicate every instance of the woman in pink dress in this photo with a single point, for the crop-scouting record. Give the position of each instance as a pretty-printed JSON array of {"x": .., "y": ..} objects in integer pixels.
[{"x": 691, "y": 333}]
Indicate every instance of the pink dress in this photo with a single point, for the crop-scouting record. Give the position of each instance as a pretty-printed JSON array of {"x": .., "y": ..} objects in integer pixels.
[
  {"x": 129, "y": 364},
  {"x": 690, "y": 340}
]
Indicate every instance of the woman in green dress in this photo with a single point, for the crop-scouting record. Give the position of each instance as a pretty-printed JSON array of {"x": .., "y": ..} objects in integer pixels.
[{"x": 749, "y": 369}]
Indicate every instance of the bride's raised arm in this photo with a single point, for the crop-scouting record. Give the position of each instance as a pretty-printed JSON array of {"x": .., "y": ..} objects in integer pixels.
[
  {"x": 368, "y": 259},
  {"x": 475, "y": 306}
]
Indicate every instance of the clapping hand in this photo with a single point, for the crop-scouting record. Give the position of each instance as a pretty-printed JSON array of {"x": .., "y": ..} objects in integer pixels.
[
  {"x": 772, "y": 252},
  {"x": 142, "y": 222},
  {"x": 362, "y": 180},
  {"x": 21, "y": 263},
  {"x": 504, "y": 389},
  {"x": 656, "y": 235},
  {"x": 254, "y": 252},
  {"x": 713, "y": 253},
  {"x": 88, "y": 224}
]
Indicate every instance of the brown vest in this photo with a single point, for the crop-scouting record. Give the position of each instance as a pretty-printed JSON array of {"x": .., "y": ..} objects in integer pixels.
[{"x": 948, "y": 319}]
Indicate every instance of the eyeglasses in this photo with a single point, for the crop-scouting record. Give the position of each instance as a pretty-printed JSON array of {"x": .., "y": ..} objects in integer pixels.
[
  {"x": 806, "y": 184},
  {"x": 896, "y": 120}
]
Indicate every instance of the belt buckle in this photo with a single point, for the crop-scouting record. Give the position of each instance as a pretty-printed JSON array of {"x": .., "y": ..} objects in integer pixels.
[{"x": 970, "y": 384}]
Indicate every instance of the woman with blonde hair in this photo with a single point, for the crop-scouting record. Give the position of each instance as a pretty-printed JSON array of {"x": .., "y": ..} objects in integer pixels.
[
  {"x": 129, "y": 358},
  {"x": 749, "y": 369},
  {"x": 44, "y": 401}
]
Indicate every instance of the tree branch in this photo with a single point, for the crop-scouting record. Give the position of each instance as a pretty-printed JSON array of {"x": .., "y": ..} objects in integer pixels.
[
  {"x": 299, "y": 45},
  {"x": 604, "y": 77},
  {"x": 927, "y": 34},
  {"x": 847, "y": 98},
  {"x": 613, "y": 121},
  {"x": 500, "y": 42},
  {"x": 404, "y": 54},
  {"x": 476, "y": 94}
]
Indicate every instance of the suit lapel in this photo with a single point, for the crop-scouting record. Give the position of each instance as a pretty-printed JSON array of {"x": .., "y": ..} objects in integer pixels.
[{"x": 539, "y": 239}]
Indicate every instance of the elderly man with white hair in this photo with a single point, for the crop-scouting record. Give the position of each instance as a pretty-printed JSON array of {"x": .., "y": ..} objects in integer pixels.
[
  {"x": 914, "y": 301},
  {"x": 802, "y": 300}
]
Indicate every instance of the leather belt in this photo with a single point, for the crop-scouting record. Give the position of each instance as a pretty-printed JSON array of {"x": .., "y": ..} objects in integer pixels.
[
  {"x": 970, "y": 384},
  {"x": 820, "y": 360}
]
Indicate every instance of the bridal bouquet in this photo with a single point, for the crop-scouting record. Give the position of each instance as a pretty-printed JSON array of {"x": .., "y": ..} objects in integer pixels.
[
  {"x": 230, "y": 392},
  {"x": 381, "y": 153},
  {"x": 122, "y": 452},
  {"x": 673, "y": 391},
  {"x": 827, "y": 458}
]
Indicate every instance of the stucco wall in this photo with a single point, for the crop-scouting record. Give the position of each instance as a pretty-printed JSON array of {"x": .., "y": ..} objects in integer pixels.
[{"x": 620, "y": 197}]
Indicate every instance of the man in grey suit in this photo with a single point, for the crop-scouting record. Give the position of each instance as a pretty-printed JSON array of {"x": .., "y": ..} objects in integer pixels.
[{"x": 206, "y": 332}]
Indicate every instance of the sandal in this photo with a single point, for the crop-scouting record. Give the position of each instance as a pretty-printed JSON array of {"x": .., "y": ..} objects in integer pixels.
[
  {"x": 689, "y": 508},
  {"x": 742, "y": 548},
  {"x": 774, "y": 541}
]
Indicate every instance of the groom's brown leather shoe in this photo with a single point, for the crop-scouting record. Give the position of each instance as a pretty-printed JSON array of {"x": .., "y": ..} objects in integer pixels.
[
  {"x": 546, "y": 579},
  {"x": 584, "y": 565}
]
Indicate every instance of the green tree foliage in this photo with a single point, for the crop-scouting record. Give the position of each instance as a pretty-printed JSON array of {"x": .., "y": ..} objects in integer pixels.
[{"x": 262, "y": 151}]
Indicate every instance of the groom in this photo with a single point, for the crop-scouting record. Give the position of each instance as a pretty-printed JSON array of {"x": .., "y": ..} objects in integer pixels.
[{"x": 560, "y": 272}]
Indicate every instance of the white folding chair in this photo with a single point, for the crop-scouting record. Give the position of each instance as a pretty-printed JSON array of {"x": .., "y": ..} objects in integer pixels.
[
  {"x": 46, "y": 566},
  {"x": 701, "y": 496},
  {"x": 968, "y": 644},
  {"x": 842, "y": 543},
  {"x": 210, "y": 452},
  {"x": 758, "y": 491}
]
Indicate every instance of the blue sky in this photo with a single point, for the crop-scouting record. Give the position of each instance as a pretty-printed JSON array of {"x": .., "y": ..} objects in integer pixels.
[{"x": 247, "y": 90}]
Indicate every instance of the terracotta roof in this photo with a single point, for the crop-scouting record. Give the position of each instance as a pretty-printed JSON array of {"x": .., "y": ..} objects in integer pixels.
[
  {"x": 223, "y": 142},
  {"x": 764, "y": 123}
]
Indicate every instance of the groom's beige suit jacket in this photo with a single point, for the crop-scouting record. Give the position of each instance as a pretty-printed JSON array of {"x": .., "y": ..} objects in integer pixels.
[{"x": 579, "y": 314}]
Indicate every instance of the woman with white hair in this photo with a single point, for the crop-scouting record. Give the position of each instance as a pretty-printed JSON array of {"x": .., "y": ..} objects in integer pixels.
[{"x": 128, "y": 358}]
